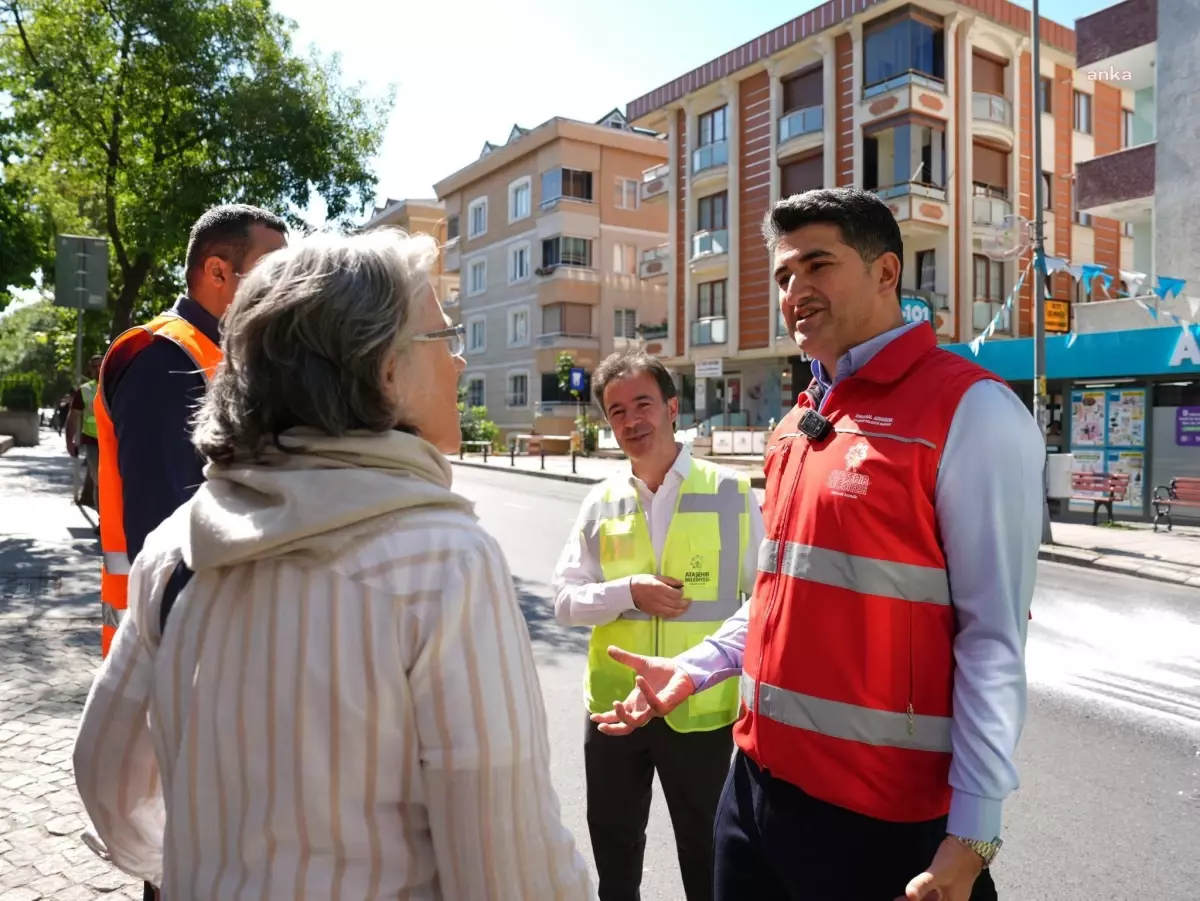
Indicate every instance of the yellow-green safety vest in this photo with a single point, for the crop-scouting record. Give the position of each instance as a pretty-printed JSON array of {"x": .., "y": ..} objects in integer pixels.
[
  {"x": 88, "y": 390},
  {"x": 704, "y": 549}
]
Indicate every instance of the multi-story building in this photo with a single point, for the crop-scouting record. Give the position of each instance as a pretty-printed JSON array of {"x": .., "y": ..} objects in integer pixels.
[
  {"x": 927, "y": 103},
  {"x": 427, "y": 217},
  {"x": 557, "y": 254}
]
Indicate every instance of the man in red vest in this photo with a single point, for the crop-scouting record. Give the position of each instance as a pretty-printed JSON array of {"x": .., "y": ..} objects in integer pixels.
[{"x": 882, "y": 657}]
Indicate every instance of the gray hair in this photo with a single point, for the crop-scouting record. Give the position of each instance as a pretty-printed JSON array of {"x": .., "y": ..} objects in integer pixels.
[{"x": 307, "y": 338}]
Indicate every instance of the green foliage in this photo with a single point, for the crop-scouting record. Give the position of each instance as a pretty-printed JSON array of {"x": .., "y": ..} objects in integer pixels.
[
  {"x": 475, "y": 424},
  {"x": 21, "y": 392},
  {"x": 40, "y": 338},
  {"x": 23, "y": 245},
  {"x": 134, "y": 116},
  {"x": 590, "y": 432},
  {"x": 563, "y": 366}
]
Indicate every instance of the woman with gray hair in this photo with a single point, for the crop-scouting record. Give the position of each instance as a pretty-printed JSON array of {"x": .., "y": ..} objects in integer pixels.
[{"x": 343, "y": 702}]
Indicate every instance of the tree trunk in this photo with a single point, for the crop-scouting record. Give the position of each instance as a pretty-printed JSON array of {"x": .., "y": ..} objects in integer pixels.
[{"x": 135, "y": 277}]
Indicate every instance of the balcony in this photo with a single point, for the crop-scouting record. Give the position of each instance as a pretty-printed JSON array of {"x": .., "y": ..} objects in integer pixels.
[
  {"x": 911, "y": 92},
  {"x": 655, "y": 262},
  {"x": 990, "y": 209},
  {"x": 1117, "y": 185},
  {"x": 1118, "y": 44},
  {"x": 656, "y": 182},
  {"x": 923, "y": 207},
  {"x": 801, "y": 130},
  {"x": 653, "y": 332},
  {"x": 568, "y": 284},
  {"x": 572, "y": 340},
  {"x": 992, "y": 117},
  {"x": 450, "y": 256},
  {"x": 710, "y": 250},
  {"x": 711, "y": 330},
  {"x": 710, "y": 163}
]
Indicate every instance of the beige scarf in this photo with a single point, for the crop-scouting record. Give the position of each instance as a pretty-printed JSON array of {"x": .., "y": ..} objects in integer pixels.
[{"x": 314, "y": 499}]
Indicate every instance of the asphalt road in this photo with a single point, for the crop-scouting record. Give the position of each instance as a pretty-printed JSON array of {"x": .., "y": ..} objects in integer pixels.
[{"x": 1109, "y": 804}]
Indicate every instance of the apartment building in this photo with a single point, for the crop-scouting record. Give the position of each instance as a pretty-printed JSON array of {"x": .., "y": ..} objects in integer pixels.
[
  {"x": 551, "y": 239},
  {"x": 427, "y": 217},
  {"x": 930, "y": 105}
]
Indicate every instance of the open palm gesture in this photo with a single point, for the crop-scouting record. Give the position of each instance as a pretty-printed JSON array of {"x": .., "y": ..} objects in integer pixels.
[{"x": 660, "y": 686}]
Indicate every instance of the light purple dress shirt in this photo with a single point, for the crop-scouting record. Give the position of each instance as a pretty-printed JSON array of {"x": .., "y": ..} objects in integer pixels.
[{"x": 989, "y": 504}]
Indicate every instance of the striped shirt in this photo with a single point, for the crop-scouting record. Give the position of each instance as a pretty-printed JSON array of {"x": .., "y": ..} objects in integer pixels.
[{"x": 372, "y": 727}]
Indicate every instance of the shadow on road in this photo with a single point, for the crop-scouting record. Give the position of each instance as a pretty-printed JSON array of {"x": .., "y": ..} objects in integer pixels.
[{"x": 537, "y": 605}]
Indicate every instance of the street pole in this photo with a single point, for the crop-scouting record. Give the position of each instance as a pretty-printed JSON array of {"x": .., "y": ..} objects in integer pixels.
[
  {"x": 79, "y": 295},
  {"x": 1041, "y": 402}
]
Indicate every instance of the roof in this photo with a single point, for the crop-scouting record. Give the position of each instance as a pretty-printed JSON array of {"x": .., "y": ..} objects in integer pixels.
[
  {"x": 392, "y": 207},
  {"x": 826, "y": 17}
]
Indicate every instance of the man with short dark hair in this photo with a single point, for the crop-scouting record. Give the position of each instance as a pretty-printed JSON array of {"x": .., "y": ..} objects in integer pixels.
[
  {"x": 659, "y": 558},
  {"x": 882, "y": 654}
]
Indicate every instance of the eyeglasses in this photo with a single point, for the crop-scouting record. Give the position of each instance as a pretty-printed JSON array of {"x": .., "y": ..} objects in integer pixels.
[{"x": 455, "y": 338}]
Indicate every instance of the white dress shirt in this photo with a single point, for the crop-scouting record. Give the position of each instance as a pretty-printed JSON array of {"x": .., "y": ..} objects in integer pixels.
[{"x": 583, "y": 598}]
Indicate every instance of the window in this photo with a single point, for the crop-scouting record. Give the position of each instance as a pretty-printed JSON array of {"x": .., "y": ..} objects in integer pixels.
[
  {"x": 563, "y": 251},
  {"x": 1079, "y": 218},
  {"x": 989, "y": 279},
  {"x": 570, "y": 183},
  {"x": 451, "y": 229},
  {"x": 802, "y": 175},
  {"x": 926, "y": 270},
  {"x": 713, "y": 126},
  {"x": 1047, "y": 191},
  {"x": 477, "y": 218},
  {"x": 1083, "y": 113},
  {"x": 902, "y": 155},
  {"x": 624, "y": 259},
  {"x": 627, "y": 194},
  {"x": 1127, "y": 229},
  {"x": 518, "y": 327},
  {"x": 477, "y": 278},
  {"x": 1126, "y": 128},
  {"x": 476, "y": 391},
  {"x": 518, "y": 389},
  {"x": 519, "y": 262},
  {"x": 476, "y": 334},
  {"x": 903, "y": 44},
  {"x": 1045, "y": 94},
  {"x": 710, "y": 299},
  {"x": 520, "y": 195},
  {"x": 803, "y": 90},
  {"x": 567, "y": 319},
  {"x": 712, "y": 211},
  {"x": 555, "y": 393},
  {"x": 624, "y": 323}
]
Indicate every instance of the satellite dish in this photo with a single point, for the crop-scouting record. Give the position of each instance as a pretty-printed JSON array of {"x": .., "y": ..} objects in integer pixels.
[{"x": 1006, "y": 240}]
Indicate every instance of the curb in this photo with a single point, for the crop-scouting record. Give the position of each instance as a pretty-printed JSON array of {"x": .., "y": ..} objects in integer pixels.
[
  {"x": 1140, "y": 568},
  {"x": 536, "y": 473},
  {"x": 6, "y": 442}
]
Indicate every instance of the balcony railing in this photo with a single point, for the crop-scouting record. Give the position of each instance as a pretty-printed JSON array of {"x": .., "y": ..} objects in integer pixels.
[
  {"x": 989, "y": 210},
  {"x": 654, "y": 332},
  {"x": 708, "y": 331},
  {"x": 991, "y": 108},
  {"x": 710, "y": 156},
  {"x": 801, "y": 122},
  {"x": 550, "y": 339},
  {"x": 655, "y": 182},
  {"x": 913, "y": 77},
  {"x": 705, "y": 243},
  {"x": 911, "y": 188},
  {"x": 654, "y": 262}
]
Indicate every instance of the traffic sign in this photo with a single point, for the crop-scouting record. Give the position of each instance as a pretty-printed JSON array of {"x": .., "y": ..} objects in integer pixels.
[
  {"x": 578, "y": 376},
  {"x": 81, "y": 272},
  {"x": 916, "y": 309}
]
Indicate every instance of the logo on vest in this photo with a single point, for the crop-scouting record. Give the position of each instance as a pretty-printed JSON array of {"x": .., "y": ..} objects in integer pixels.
[
  {"x": 849, "y": 482},
  {"x": 696, "y": 574}
]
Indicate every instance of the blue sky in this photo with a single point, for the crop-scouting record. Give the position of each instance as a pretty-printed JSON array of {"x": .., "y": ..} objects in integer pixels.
[{"x": 466, "y": 71}]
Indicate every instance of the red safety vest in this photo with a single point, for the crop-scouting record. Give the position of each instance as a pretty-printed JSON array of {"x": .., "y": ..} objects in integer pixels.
[
  {"x": 848, "y": 673},
  {"x": 114, "y": 572}
]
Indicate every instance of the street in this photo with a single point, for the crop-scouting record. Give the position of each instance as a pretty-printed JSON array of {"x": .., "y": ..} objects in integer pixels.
[{"x": 1109, "y": 805}]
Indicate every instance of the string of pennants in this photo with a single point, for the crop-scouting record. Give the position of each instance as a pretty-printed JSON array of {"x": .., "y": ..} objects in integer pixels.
[{"x": 1088, "y": 273}]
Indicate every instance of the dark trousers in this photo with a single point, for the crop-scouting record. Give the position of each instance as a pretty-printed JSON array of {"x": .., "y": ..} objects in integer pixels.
[
  {"x": 776, "y": 843},
  {"x": 620, "y": 781}
]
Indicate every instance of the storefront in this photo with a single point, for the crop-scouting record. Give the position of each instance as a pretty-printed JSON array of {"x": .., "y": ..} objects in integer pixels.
[{"x": 1121, "y": 401}]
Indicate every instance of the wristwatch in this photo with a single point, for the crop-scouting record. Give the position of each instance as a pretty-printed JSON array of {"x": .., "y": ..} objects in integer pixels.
[{"x": 986, "y": 850}]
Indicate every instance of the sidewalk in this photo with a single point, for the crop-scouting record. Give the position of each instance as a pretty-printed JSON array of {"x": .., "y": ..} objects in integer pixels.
[{"x": 50, "y": 636}]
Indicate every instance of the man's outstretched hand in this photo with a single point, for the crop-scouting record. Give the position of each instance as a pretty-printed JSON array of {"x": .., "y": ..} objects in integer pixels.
[{"x": 660, "y": 686}]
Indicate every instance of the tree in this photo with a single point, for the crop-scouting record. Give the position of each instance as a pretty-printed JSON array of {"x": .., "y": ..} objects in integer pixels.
[
  {"x": 137, "y": 115},
  {"x": 22, "y": 236},
  {"x": 27, "y": 345}
]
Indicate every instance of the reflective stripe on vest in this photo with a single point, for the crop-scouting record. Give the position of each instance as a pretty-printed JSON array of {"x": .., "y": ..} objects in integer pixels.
[
  {"x": 114, "y": 574},
  {"x": 704, "y": 549},
  {"x": 88, "y": 392},
  {"x": 881, "y": 728},
  {"x": 885, "y": 578}
]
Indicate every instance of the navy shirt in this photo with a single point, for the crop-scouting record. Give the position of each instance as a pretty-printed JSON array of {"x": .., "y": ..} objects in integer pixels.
[{"x": 151, "y": 404}]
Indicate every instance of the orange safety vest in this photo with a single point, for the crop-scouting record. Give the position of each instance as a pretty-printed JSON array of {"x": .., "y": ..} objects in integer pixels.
[
  {"x": 114, "y": 572},
  {"x": 848, "y": 674}
]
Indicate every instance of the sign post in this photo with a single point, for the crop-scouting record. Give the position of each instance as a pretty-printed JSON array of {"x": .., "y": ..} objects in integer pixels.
[{"x": 80, "y": 283}]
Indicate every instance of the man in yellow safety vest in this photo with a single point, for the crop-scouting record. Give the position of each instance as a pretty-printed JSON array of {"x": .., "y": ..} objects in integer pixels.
[
  {"x": 82, "y": 434},
  {"x": 658, "y": 559}
]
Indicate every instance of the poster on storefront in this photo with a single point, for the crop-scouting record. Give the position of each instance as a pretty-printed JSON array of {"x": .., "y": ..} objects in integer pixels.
[
  {"x": 1187, "y": 426},
  {"x": 1087, "y": 418},
  {"x": 1126, "y": 418},
  {"x": 1132, "y": 464},
  {"x": 1087, "y": 461}
]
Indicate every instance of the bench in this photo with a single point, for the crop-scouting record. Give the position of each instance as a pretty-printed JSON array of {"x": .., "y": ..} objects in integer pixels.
[
  {"x": 540, "y": 444},
  {"x": 1101, "y": 488},
  {"x": 1179, "y": 492}
]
